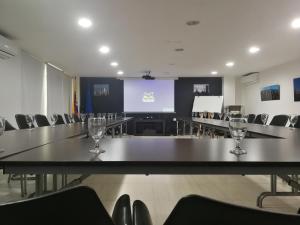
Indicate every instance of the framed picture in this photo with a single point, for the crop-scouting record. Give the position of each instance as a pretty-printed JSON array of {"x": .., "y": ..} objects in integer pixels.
[
  {"x": 101, "y": 90},
  {"x": 297, "y": 89},
  {"x": 201, "y": 89},
  {"x": 270, "y": 93}
]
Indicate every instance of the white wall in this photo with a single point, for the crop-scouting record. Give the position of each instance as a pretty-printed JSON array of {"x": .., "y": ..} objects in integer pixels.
[
  {"x": 249, "y": 96},
  {"x": 229, "y": 90}
]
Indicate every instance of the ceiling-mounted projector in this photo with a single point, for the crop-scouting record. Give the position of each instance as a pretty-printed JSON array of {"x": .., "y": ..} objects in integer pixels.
[{"x": 147, "y": 75}]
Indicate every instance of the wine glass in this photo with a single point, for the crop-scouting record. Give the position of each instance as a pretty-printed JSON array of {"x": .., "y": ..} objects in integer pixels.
[
  {"x": 220, "y": 115},
  {"x": 82, "y": 117},
  {"x": 293, "y": 120},
  {"x": 71, "y": 118},
  {"x": 97, "y": 130},
  {"x": 238, "y": 130},
  {"x": 29, "y": 120},
  {"x": 115, "y": 116},
  {"x": 2, "y": 129},
  {"x": 264, "y": 118},
  {"x": 53, "y": 119},
  {"x": 91, "y": 115}
]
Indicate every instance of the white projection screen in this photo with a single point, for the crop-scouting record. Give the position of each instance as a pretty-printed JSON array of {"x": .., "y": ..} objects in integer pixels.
[
  {"x": 208, "y": 103},
  {"x": 144, "y": 96}
]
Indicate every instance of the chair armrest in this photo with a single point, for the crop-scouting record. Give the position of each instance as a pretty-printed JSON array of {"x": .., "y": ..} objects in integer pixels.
[
  {"x": 141, "y": 215},
  {"x": 122, "y": 211}
]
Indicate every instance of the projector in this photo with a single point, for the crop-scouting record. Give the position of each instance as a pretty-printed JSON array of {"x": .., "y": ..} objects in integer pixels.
[{"x": 147, "y": 76}]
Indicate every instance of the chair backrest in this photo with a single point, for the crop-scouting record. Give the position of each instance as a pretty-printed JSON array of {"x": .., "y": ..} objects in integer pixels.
[
  {"x": 8, "y": 126},
  {"x": 279, "y": 120},
  {"x": 297, "y": 125},
  {"x": 60, "y": 120},
  {"x": 67, "y": 118},
  {"x": 76, "y": 118},
  {"x": 216, "y": 116},
  {"x": 251, "y": 118},
  {"x": 41, "y": 120},
  {"x": 79, "y": 205},
  {"x": 194, "y": 210},
  {"x": 21, "y": 121},
  {"x": 258, "y": 119}
]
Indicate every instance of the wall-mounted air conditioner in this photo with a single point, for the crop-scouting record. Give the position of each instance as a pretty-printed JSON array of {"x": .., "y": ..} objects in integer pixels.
[
  {"x": 7, "y": 48},
  {"x": 250, "y": 78}
]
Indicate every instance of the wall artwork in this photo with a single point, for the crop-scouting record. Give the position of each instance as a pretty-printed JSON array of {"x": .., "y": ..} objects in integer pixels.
[
  {"x": 101, "y": 90},
  {"x": 201, "y": 89},
  {"x": 270, "y": 93},
  {"x": 297, "y": 89}
]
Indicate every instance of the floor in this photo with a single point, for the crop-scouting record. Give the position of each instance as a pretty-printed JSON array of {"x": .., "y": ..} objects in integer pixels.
[{"x": 161, "y": 192}]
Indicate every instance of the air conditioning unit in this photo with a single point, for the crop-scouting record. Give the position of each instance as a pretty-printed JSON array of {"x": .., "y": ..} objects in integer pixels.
[
  {"x": 250, "y": 78},
  {"x": 7, "y": 48}
]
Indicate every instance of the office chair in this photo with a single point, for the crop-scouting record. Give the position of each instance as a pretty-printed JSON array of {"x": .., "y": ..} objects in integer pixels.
[
  {"x": 8, "y": 126},
  {"x": 41, "y": 120},
  {"x": 279, "y": 120},
  {"x": 216, "y": 116},
  {"x": 79, "y": 205},
  {"x": 21, "y": 121},
  {"x": 198, "y": 210},
  {"x": 251, "y": 118},
  {"x": 297, "y": 125},
  {"x": 76, "y": 118},
  {"x": 60, "y": 120},
  {"x": 258, "y": 119},
  {"x": 67, "y": 118}
]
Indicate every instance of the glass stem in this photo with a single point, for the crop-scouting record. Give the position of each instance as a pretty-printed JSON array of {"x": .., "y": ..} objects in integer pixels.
[
  {"x": 97, "y": 144},
  {"x": 237, "y": 144}
]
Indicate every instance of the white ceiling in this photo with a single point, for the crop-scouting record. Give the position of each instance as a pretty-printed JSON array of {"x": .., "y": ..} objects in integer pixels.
[{"x": 143, "y": 34}]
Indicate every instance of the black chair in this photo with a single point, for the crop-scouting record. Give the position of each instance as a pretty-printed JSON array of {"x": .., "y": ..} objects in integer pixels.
[
  {"x": 279, "y": 120},
  {"x": 198, "y": 210},
  {"x": 76, "y": 118},
  {"x": 80, "y": 206},
  {"x": 251, "y": 118},
  {"x": 67, "y": 118},
  {"x": 297, "y": 125},
  {"x": 60, "y": 120},
  {"x": 216, "y": 116},
  {"x": 21, "y": 121},
  {"x": 8, "y": 126},
  {"x": 41, "y": 120},
  {"x": 258, "y": 119}
]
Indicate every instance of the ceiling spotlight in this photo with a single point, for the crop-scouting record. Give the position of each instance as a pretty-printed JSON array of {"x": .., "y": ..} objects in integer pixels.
[
  {"x": 254, "y": 49},
  {"x": 104, "y": 49},
  {"x": 214, "y": 72},
  {"x": 114, "y": 64},
  {"x": 296, "y": 23},
  {"x": 85, "y": 22},
  {"x": 230, "y": 64},
  {"x": 120, "y": 72}
]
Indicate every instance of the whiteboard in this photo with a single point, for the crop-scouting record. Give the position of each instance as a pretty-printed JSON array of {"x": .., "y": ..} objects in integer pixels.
[{"x": 208, "y": 103}]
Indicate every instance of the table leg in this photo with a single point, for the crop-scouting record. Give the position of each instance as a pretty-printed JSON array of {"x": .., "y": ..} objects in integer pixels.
[
  {"x": 121, "y": 130},
  {"x": 54, "y": 180},
  {"x": 113, "y": 132},
  {"x": 39, "y": 184},
  {"x": 177, "y": 127},
  {"x": 183, "y": 127}
]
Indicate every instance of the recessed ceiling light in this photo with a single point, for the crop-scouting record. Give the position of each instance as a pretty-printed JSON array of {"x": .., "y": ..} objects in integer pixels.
[
  {"x": 120, "y": 72},
  {"x": 254, "y": 49},
  {"x": 114, "y": 64},
  {"x": 295, "y": 24},
  {"x": 104, "y": 49},
  {"x": 230, "y": 64},
  {"x": 192, "y": 22},
  {"x": 179, "y": 49},
  {"x": 214, "y": 72},
  {"x": 85, "y": 22}
]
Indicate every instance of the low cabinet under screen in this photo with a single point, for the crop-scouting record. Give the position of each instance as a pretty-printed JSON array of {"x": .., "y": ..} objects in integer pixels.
[{"x": 149, "y": 127}]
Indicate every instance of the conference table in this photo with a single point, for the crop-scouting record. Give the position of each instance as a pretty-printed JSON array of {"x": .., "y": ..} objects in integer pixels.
[{"x": 275, "y": 155}]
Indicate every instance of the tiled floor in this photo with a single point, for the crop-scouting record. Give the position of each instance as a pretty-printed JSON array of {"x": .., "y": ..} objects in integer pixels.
[{"x": 161, "y": 192}]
